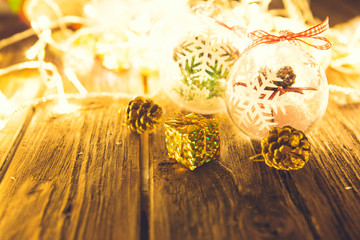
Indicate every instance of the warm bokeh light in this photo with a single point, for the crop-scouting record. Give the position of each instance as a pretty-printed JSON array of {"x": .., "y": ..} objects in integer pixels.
[
  {"x": 90, "y": 10},
  {"x": 134, "y": 35},
  {"x": 32, "y": 52},
  {"x": 64, "y": 108},
  {"x": 6, "y": 109}
]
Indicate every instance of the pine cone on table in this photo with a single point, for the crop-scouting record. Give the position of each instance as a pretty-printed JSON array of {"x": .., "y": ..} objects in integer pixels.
[
  {"x": 284, "y": 149},
  {"x": 143, "y": 115}
]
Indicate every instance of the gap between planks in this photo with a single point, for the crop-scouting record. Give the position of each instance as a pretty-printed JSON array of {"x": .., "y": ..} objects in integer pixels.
[
  {"x": 144, "y": 177},
  {"x": 144, "y": 186}
]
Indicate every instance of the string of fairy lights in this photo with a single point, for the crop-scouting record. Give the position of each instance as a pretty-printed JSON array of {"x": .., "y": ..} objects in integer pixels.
[{"x": 142, "y": 27}]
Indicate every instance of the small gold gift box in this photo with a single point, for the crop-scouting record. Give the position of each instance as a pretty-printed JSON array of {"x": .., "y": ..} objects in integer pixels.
[{"x": 192, "y": 139}]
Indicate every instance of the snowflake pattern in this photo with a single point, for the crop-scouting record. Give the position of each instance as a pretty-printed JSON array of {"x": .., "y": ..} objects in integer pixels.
[
  {"x": 205, "y": 59},
  {"x": 311, "y": 62},
  {"x": 258, "y": 101},
  {"x": 206, "y": 52}
]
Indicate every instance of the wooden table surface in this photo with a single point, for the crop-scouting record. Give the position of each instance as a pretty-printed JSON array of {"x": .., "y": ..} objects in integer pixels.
[{"x": 82, "y": 175}]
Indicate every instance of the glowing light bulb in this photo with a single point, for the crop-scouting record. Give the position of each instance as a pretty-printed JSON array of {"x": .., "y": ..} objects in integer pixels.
[
  {"x": 141, "y": 23},
  {"x": 43, "y": 22},
  {"x": 357, "y": 31},
  {"x": 72, "y": 77},
  {"x": 46, "y": 34},
  {"x": 343, "y": 39},
  {"x": 110, "y": 62},
  {"x": 32, "y": 52},
  {"x": 6, "y": 109},
  {"x": 90, "y": 10},
  {"x": 63, "y": 108},
  {"x": 110, "y": 37}
]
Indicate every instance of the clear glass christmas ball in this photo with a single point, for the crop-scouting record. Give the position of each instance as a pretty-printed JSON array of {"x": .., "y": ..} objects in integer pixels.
[
  {"x": 197, "y": 64},
  {"x": 273, "y": 85}
]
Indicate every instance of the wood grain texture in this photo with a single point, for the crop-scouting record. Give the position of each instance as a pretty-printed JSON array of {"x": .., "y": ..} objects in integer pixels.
[
  {"x": 227, "y": 199},
  {"x": 18, "y": 87},
  {"x": 73, "y": 176},
  {"x": 235, "y": 199},
  {"x": 82, "y": 175}
]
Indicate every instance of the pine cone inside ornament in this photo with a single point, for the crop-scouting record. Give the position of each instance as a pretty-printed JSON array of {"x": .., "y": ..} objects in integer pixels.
[
  {"x": 143, "y": 115},
  {"x": 284, "y": 77},
  {"x": 288, "y": 76},
  {"x": 284, "y": 149}
]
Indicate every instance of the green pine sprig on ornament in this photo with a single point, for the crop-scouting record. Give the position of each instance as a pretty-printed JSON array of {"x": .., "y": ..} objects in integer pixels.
[
  {"x": 203, "y": 65},
  {"x": 195, "y": 83}
]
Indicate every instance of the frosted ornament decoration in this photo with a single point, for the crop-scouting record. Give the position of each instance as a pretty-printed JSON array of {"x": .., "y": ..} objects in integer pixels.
[
  {"x": 276, "y": 83},
  {"x": 273, "y": 85},
  {"x": 195, "y": 75}
]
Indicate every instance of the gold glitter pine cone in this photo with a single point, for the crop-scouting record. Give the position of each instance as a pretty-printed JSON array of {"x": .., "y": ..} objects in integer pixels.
[
  {"x": 284, "y": 149},
  {"x": 143, "y": 115}
]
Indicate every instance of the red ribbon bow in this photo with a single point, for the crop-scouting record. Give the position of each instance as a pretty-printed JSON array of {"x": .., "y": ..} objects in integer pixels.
[{"x": 260, "y": 36}]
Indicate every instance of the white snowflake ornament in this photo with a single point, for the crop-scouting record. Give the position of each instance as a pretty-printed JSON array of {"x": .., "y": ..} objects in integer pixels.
[
  {"x": 273, "y": 85},
  {"x": 195, "y": 75}
]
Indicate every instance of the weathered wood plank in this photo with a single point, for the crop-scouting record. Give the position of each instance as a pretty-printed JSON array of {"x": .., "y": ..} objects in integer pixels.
[
  {"x": 331, "y": 187},
  {"x": 277, "y": 212},
  {"x": 18, "y": 87},
  {"x": 73, "y": 176},
  {"x": 234, "y": 198},
  {"x": 226, "y": 199},
  {"x": 335, "y": 173},
  {"x": 69, "y": 176}
]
